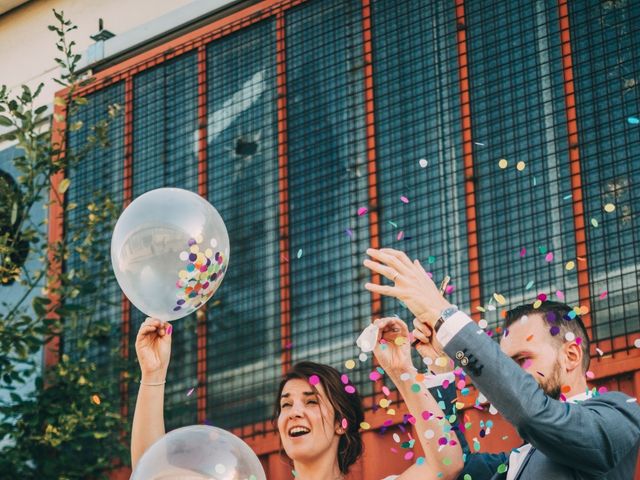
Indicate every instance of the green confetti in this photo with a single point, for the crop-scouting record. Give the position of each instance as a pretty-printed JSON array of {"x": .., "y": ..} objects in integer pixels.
[{"x": 502, "y": 468}]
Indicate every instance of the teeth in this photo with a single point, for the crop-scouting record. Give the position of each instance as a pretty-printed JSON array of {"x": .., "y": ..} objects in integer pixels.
[{"x": 295, "y": 431}]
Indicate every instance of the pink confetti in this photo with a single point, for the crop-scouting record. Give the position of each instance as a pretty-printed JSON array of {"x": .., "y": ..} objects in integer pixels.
[
  {"x": 578, "y": 340},
  {"x": 400, "y": 235},
  {"x": 603, "y": 295},
  {"x": 344, "y": 379},
  {"x": 344, "y": 423},
  {"x": 450, "y": 288},
  {"x": 523, "y": 252},
  {"x": 374, "y": 376},
  {"x": 350, "y": 389},
  {"x": 602, "y": 390},
  {"x": 560, "y": 294},
  {"x": 408, "y": 455},
  {"x": 590, "y": 375},
  {"x": 549, "y": 257},
  {"x": 190, "y": 392},
  {"x": 362, "y": 211},
  {"x": 314, "y": 380},
  {"x": 527, "y": 363},
  {"x": 386, "y": 391},
  {"x": 542, "y": 297},
  {"x": 404, "y": 199}
]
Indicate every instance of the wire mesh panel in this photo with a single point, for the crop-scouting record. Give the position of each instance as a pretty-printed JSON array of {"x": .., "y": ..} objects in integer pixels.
[
  {"x": 520, "y": 154},
  {"x": 327, "y": 180},
  {"x": 243, "y": 338},
  {"x": 420, "y": 173},
  {"x": 165, "y": 154},
  {"x": 606, "y": 50},
  {"x": 98, "y": 176}
]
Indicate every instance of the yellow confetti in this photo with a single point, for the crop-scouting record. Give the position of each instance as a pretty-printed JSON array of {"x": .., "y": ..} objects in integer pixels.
[
  {"x": 400, "y": 341},
  {"x": 64, "y": 185},
  {"x": 442, "y": 361},
  {"x": 503, "y": 163},
  {"x": 609, "y": 207},
  {"x": 459, "y": 405},
  {"x": 480, "y": 308},
  {"x": 521, "y": 166},
  {"x": 350, "y": 364},
  {"x": 391, "y": 411},
  {"x": 570, "y": 265},
  {"x": 499, "y": 298},
  {"x": 384, "y": 403},
  {"x": 365, "y": 426},
  {"x": 537, "y": 304}
]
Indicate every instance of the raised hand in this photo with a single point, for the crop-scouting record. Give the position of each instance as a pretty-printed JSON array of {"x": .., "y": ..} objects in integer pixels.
[
  {"x": 153, "y": 348},
  {"x": 412, "y": 284},
  {"x": 394, "y": 354}
]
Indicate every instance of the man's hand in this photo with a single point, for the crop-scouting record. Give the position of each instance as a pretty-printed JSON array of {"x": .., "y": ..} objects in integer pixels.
[
  {"x": 413, "y": 286},
  {"x": 429, "y": 347}
]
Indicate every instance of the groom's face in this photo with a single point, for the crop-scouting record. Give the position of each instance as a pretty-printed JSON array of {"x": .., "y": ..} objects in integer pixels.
[{"x": 530, "y": 344}]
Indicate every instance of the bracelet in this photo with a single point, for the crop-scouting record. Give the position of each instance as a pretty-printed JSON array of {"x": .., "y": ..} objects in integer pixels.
[{"x": 152, "y": 384}]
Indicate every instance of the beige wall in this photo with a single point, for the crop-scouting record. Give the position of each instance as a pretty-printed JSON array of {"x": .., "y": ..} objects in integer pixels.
[{"x": 27, "y": 47}]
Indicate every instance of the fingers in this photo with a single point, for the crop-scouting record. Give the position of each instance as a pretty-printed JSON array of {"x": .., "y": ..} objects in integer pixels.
[
  {"x": 153, "y": 325},
  {"x": 386, "y": 259},
  {"x": 421, "y": 337},
  {"x": 422, "y": 327},
  {"x": 392, "y": 327},
  {"x": 381, "y": 289},
  {"x": 387, "y": 272},
  {"x": 399, "y": 256}
]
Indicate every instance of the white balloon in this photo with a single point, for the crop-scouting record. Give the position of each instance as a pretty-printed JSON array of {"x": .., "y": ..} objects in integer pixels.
[
  {"x": 169, "y": 252},
  {"x": 199, "y": 452}
]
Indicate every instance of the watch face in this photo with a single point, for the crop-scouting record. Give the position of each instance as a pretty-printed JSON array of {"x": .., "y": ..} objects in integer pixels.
[{"x": 447, "y": 312}]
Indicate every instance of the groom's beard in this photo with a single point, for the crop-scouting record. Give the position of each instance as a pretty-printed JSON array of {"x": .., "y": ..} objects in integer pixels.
[{"x": 551, "y": 384}]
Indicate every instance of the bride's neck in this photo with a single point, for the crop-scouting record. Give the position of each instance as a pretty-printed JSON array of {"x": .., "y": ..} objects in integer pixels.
[{"x": 319, "y": 470}]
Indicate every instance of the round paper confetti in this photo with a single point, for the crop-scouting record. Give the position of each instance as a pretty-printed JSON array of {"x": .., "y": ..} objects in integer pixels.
[
  {"x": 429, "y": 434},
  {"x": 350, "y": 364},
  {"x": 365, "y": 426},
  {"x": 499, "y": 298},
  {"x": 404, "y": 199},
  {"x": 503, "y": 163},
  {"x": 609, "y": 207},
  {"x": 423, "y": 163},
  {"x": 569, "y": 336},
  {"x": 520, "y": 166},
  {"x": 362, "y": 211},
  {"x": 570, "y": 265},
  {"x": 502, "y": 468},
  {"x": 314, "y": 380},
  {"x": 350, "y": 389},
  {"x": 633, "y": 120},
  {"x": 362, "y": 357},
  {"x": 483, "y": 323},
  {"x": 594, "y": 222},
  {"x": 636, "y": 343}
]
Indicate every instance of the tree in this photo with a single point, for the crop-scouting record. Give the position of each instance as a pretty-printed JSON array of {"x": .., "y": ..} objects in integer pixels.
[{"x": 69, "y": 426}]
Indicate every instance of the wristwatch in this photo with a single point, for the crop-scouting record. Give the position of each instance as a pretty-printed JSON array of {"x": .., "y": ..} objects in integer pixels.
[{"x": 444, "y": 316}]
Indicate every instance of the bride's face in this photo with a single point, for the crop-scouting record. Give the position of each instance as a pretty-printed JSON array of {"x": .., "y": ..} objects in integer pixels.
[{"x": 306, "y": 423}]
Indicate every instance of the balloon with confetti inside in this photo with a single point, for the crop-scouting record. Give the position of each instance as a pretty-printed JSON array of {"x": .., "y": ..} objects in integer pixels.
[
  {"x": 170, "y": 252},
  {"x": 199, "y": 452}
]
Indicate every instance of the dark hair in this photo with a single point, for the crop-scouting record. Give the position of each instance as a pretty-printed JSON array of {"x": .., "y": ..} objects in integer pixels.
[
  {"x": 558, "y": 315},
  {"x": 346, "y": 405}
]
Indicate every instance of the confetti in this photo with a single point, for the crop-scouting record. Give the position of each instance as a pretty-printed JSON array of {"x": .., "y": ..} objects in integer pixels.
[
  {"x": 523, "y": 252},
  {"x": 549, "y": 257},
  {"x": 190, "y": 392},
  {"x": 404, "y": 199},
  {"x": 483, "y": 323},
  {"x": 555, "y": 330},
  {"x": 502, "y": 468},
  {"x": 350, "y": 364},
  {"x": 590, "y": 375},
  {"x": 423, "y": 163},
  {"x": 600, "y": 352},
  {"x": 349, "y": 233},
  {"x": 570, "y": 265},
  {"x": 603, "y": 295},
  {"x": 314, "y": 380},
  {"x": 503, "y": 163},
  {"x": 569, "y": 336},
  {"x": 636, "y": 343},
  {"x": 529, "y": 285},
  {"x": 365, "y": 426},
  {"x": 400, "y": 235},
  {"x": 362, "y": 211},
  {"x": 633, "y": 120},
  {"x": 363, "y": 357},
  {"x": 499, "y": 298},
  {"x": 375, "y": 376},
  {"x": 95, "y": 399},
  {"x": 594, "y": 222},
  {"x": 429, "y": 434},
  {"x": 299, "y": 254},
  {"x": 631, "y": 400},
  {"x": 609, "y": 207},
  {"x": 560, "y": 294},
  {"x": 521, "y": 166},
  {"x": 350, "y": 389}
]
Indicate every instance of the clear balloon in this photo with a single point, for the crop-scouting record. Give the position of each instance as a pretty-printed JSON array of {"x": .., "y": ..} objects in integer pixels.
[
  {"x": 199, "y": 452},
  {"x": 170, "y": 252}
]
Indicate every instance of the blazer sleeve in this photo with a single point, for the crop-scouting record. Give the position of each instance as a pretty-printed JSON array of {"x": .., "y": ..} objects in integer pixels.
[
  {"x": 483, "y": 465},
  {"x": 591, "y": 436}
]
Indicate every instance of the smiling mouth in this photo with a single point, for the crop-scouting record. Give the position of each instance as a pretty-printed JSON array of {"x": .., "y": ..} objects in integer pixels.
[{"x": 298, "y": 431}]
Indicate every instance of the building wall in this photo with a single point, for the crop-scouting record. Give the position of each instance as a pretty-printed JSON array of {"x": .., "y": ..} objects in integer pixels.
[{"x": 489, "y": 141}]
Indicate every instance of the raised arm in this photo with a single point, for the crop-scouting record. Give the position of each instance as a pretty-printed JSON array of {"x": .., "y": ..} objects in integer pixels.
[
  {"x": 153, "y": 348},
  {"x": 394, "y": 356}
]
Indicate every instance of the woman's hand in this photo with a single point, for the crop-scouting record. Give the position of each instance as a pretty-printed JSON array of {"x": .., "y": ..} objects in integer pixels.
[
  {"x": 153, "y": 348},
  {"x": 413, "y": 286},
  {"x": 394, "y": 354}
]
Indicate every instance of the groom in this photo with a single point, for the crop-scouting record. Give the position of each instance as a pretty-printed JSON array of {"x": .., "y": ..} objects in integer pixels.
[{"x": 535, "y": 378}]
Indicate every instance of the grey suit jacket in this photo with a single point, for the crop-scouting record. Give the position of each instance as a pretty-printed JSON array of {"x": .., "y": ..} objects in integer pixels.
[{"x": 597, "y": 438}]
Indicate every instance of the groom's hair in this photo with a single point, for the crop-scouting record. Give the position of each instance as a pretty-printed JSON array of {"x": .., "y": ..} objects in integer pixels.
[{"x": 561, "y": 319}]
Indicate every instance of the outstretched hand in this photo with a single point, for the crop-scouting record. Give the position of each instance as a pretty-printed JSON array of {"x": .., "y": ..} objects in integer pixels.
[{"x": 412, "y": 284}]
